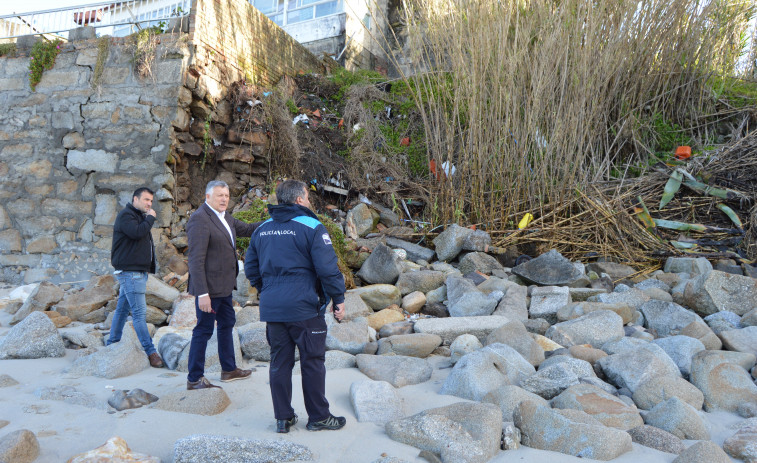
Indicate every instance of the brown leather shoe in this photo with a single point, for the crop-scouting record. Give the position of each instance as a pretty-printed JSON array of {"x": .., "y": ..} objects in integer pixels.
[
  {"x": 155, "y": 360},
  {"x": 227, "y": 376},
  {"x": 201, "y": 383}
]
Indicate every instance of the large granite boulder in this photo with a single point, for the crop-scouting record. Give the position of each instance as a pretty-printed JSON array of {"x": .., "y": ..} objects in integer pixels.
[
  {"x": 212, "y": 361},
  {"x": 414, "y": 251},
  {"x": 479, "y": 262},
  {"x": 547, "y": 301},
  {"x": 449, "y": 243},
  {"x": 97, "y": 293},
  {"x": 114, "y": 450},
  {"x": 383, "y": 317},
  {"x": 379, "y": 296},
  {"x": 703, "y": 452},
  {"x": 465, "y": 300},
  {"x": 508, "y": 397},
  {"x": 450, "y": 328},
  {"x": 253, "y": 342},
  {"x": 204, "y": 448},
  {"x": 159, "y": 294},
  {"x": 605, "y": 407},
  {"x": 595, "y": 328},
  {"x": 579, "y": 309},
  {"x": 350, "y": 337},
  {"x": 678, "y": 418},
  {"x": 397, "y": 370},
  {"x": 680, "y": 349},
  {"x": 44, "y": 296},
  {"x": 462, "y": 346},
  {"x": 615, "y": 270},
  {"x": 123, "y": 358},
  {"x": 515, "y": 335},
  {"x": 460, "y": 433},
  {"x": 484, "y": 370},
  {"x": 514, "y": 303},
  {"x": 546, "y": 429},
  {"x": 170, "y": 348},
  {"x": 716, "y": 291},
  {"x": 661, "y": 388},
  {"x": 632, "y": 362},
  {"x": 549, "y": 269},
  {"x": 375, "y": 401},
  {"x": 34, "y": 337},
  {"x": 632, "y": 296},
  {"x": 206, "y": 402},
  {"x": 742, "y": 445},
  {"x": 557, "y": 376},
  {"x": 656, "y": 438},
  {"x": 412, "y": 345},
  {"x": 19, "y": 446},
  {"x": 420, "y": 280},
  {"x": 741, "y": 340},
  {"x": 690, "y": 265},
  {"x": 382, "y": 266},
  {"x": 726, "y": 386}
]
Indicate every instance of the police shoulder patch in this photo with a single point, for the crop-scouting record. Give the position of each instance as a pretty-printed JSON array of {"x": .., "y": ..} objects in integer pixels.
[{"x": 326, "y": 238}]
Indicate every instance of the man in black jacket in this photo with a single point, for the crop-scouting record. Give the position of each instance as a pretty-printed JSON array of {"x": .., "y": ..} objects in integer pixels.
[
  {"x": 132, "y": 254},
  {"x": 292, "y": 263}
]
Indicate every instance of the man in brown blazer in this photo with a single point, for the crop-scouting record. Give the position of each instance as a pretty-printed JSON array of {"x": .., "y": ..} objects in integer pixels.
[{"x": 213, "y": 269}]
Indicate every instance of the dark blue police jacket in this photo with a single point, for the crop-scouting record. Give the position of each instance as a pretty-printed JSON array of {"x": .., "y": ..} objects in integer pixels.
[{"x": 292, "y": 264}]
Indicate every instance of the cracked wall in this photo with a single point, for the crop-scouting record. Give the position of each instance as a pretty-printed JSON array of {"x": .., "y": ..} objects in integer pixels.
[{"x": 72, "y": 153}]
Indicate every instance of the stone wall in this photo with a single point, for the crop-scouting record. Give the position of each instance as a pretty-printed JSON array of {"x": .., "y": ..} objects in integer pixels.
[{"x": 72, "y": 152}]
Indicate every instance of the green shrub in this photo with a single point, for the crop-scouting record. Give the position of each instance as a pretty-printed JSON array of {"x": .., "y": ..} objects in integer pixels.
[
  {"x": 258, "y": 211},
  {"x": 42, "y": 58},
  {"x": 8, "y": 49}
]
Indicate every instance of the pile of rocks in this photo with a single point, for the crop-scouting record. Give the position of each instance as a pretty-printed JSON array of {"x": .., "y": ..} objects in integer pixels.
[{"x": 551, "y": 354}]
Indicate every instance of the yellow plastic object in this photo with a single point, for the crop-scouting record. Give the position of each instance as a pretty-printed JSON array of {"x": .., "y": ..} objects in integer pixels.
[{"x": 525, "y": 221}]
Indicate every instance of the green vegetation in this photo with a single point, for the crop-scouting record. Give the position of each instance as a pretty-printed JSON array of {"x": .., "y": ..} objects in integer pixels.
[
  {"x": 258, "y": 211},
  {"x": 339, "y": 244},
  {"x": 145, "y": 43},
  {"x": 344, "y": 79},
  {"x": 8, "y": 49},
  {"x": 292, "y": 107},
  {"x": 42, "y": 58},
  {"x": 207, "y": 140},
  {"x": 738, "y": 92},
  {"x": 103, "y": 46}
]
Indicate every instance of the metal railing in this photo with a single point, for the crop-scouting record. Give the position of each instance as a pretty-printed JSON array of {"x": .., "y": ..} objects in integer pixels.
[{"x": 116, "y": 19}]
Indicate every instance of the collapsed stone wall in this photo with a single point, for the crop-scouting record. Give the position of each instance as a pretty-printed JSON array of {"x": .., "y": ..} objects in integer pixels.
[{"x": 73, "y": 151}]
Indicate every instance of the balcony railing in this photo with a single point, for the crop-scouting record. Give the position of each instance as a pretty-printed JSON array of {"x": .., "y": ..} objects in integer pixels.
[{"x": 109, "y": 18}]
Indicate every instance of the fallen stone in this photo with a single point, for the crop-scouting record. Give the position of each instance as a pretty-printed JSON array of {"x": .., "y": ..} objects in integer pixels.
[
  {"x": 450, "y": 328},
  {"x": 253, "y": 342},
  {"x": 170, "y": 348},
  {"x": 546, "y": 429},
  {"x": 7, "y": 381},
  {"x": 379, "y": 296},
  {"x": 203, "y": 448},
  {"x": 96, "y": 294},
  {"x": 159, "y": 294},
  {"x": 741, "y": 340},
  {"x": 375, "y": 401},
  {"x": 582, "y": 294},
  {"x": 703, "y": 452},
  {"x": 650, "y": 283},
  {"x": 552, "y": 379},
  {"x": 78, "y": 338},
  {"x": 723, "y": 321},
  {"x": 383, "y": 266},
  {"x": 350, "y": 337},
  {"x": 716, "y": 291},
  {"x": 578, "y": 309},
  {"x": 123, "y": 358},
  {"x": 397, "y": 370},
  {"x": 384, "y": 317},
  {"x": 587, "y": 353},
  {"x": 396, "y": 328},
  {"x": 656, "y": 438},
  {"x": 355, "y": 307},
  {"x": 465, "y": 300},
  {"x": 70, "y": 395},
  {"x": 414, "y": 252},
  {"x": 462, "y": 346},
  {"x": 123, "y": 400},
  {"x": 479, "y": 262},
  {"x": 479, "y": 240},
  {"x": 662, "y": 388},
  {"x": 207, "y": 402},
  {"x": 615, "y": 270},
  {"x": 515, "y": 335},
  {"x": 335, "y": 360},
  {"x": 749, "y": 318},
  {"x": 678, "y": 418},
  {"x": 514, "y": 304},
  {"x": 114, "y": 450},
  {"x": 34, "y": 337},
  {"x": 44, "y": 296},
  {"x": 681, "y": 349},
  {"x": 411, "y": 345},
  {"x": 595, "y": 328},
  {"x": 508, "y": 397},
  {"x": 633, "y": 297},
  {"x": 421, "y": 280},
  {"x": 248, "y": 314},
  {"x": 414, "y": 302},
  {"x": 19, "y": 447},
  {"x": 184, "y": 313},
  {"x": 726, "y": 386},
  {"x": 449, "y": 243},
  {"x": 741, "y": 445},
  {"x": 606, "y": 408},
  {"x": 633, "y": 365},
  {"x": 690, "y": 265},
  {"x": 547, "y": 300},
  {"x": 549, "y": 269},
  {"x": 484, "y": 370},
  {"x": 462, "y": 432}
]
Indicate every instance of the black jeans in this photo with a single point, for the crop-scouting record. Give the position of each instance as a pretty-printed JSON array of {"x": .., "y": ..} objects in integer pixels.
[{"x": 310, "y": 338}]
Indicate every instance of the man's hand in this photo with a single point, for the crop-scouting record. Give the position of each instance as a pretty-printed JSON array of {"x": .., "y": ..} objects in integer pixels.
[
  {"x": 338, "y": 310},
  {"x": 151, "y": 212},
  {"x": 204, "y": 303}
]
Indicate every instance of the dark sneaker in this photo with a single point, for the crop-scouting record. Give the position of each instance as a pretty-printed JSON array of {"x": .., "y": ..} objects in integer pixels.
[
  {"x": 201, "y": 383},
  {"x": 227, "y": 376},
  {"x": 155, "y": 360},
  {"x": 332, "y": 423},
  {"x": 282, "y": 426}
]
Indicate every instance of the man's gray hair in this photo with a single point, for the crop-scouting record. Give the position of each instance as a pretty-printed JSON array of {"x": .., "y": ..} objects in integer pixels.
[
  {"x": 289, "y": 190},
  {"x": 214, "y": 183}
]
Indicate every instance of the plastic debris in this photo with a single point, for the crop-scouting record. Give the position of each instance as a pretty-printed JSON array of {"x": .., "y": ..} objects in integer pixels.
[
  {"x": 527, "y": 218},
  {"x": 449, "y": 168},
  {"x": 683, "y": 152},
  {"x": 301, "y": 118}
]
